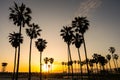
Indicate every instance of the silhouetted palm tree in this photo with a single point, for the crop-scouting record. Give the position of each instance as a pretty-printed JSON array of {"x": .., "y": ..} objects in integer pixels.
[
  {"x": 67, "y": 35},
  {"x": 81, "y": 25},
  {"x": 63, "y": 63},
  {"x": 112, "y": 51},
  {"x": 108, "y": 56},
  {"x": 75, "y": 65},
  {"x": 102, "y": 61},
  {"x": 20, "y": 15},
  {"x": 4, "y": 64},
  {"x": 95, "y": 58},
  {"x": 46, "y": 61},
  {"x": 15, "y": 42},
  {"x": 51, "y": 62},
  {"x": 77, "y": 40},
  {"x": 33, "y": 32},
  {"x": 91, "y": 62},
  {"x": 40, "y": 45},
  {"x": 116, "y": 58}
]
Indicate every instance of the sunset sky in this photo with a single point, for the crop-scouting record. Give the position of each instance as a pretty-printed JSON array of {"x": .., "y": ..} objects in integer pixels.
[{"x": 51, "y": 16}]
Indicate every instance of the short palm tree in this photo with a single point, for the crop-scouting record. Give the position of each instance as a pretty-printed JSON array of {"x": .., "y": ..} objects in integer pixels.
[
  {"x": 108, "y": 56},
  {"x": 75, "y": 65},
  {"x": 112, "y": 51},
  {"x": 33, "y": 32},
  {"x": 63, "y": 63},
  {"x": 20, "y": 15},
  {"x": 46, "y": 61},
  {"x": 81, "y": 25},
  {"x": 15, "y": 42},
  {"x": 95, "y": 58},
  {"x": 51, "y": 62},
  {"x": 102, "y": 61},
  {"x": 4, "y": 64},
  {"x": 40, "y": 45},
  {"x": 116, "y": 58},
  {"x": 67, "y": 35}
]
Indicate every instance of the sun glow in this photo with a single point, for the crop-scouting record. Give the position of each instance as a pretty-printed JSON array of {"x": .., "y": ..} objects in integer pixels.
[{"x": 45, "y": 68}]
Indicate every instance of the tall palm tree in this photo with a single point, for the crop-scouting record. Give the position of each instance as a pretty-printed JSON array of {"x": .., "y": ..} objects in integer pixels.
[
  {"x": 20, "y": 15},
  {"x": 112, "y": 51},
  {"x": 77, "y": 40},
  {"x": 33, "y": 32},
  {"x": 116, "y": 58},
  {"x": 108, "y": 56},
  {"x": 67, "y": 35},
  {"x": 46, "y": 61},
  {"x": 15, "y": 42},
  {"x": 81, "y": 25},
  {"x": 4, "y": 64},
  {"x": 51, "y": 62},
  {"x": 40, "y": 45}
]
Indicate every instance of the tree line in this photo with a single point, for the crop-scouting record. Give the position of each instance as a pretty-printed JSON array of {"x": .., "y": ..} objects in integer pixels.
[{"x": 21, "y": 17}]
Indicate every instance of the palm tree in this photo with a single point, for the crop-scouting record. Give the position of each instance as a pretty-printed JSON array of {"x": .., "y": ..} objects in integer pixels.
[
  {"x": 108, "y": 56},
  {"x": 95, "y": 58},
  {"x": 81, "y": 26},
  {"x": 102, "y": 61},
  {"x": 40, "y": 45},
  {"x": 63, "y": 63},
  {"x": 112, "y": 51},
  {"x": 67, "y": 35},
  {"x": 20, "y": 15},
  {"x": 4, "y": 64},
  {"x": 116, "y": 58},
  {"x": 77, "y": 40},
  {"x": 75, "y": 64},
  {"x": 46, "y": 61},
  {"x": 33, "y": 32},
  {"x": 51, "y": 62},
  {"x": 91, "y": 61},
  {"x": 15, "y": 42}
]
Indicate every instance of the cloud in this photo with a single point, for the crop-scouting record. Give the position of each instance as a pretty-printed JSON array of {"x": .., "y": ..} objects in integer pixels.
[{"x": 87, "y": 6}]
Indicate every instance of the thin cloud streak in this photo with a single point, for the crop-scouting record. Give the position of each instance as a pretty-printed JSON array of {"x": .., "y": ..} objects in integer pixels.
[{"x": 87, "y": 6}]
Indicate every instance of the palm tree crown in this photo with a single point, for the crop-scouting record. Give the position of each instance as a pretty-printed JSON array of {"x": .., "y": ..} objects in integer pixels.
[
  {"x": 77, "y": 40},
  {"x": 20, "y": 14},
  {"x": 33, "y": 31},
  {"x": 41, "y": 44},
  {"x": 112, "y": 50},
  {"x": 67, "y": 34},
  {"x": 51, "y": 60},
  {"x": 46, "y": 60},
  {"x": 14, "y": 39},
  {"x": 108, "y": 57},
  {"x": 115, "y": 56},
  {"x": 80, "y": 24}
]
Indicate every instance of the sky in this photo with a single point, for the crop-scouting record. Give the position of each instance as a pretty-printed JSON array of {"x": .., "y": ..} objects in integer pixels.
[{"x": 51, "y": 16}]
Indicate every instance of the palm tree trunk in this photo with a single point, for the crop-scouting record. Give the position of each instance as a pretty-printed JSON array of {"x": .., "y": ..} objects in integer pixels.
[
  {"x": 116, "y": 64},
  {"x": 70, "y": 60},
  {"x": 14, "y": 64},
  {"x": 18, "y": 59},
  {"x": 86, "y": 56},
  {"x": 110, "y": 66},
  {"x": 114, "y": 61},
  {"x": 40, "y": 65},
  {"x": 68, "y": 64},
  {"x": 97, "y": 67},
  {"x": 29, "y": 75},
  {"x": 80, "y": 64}
]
